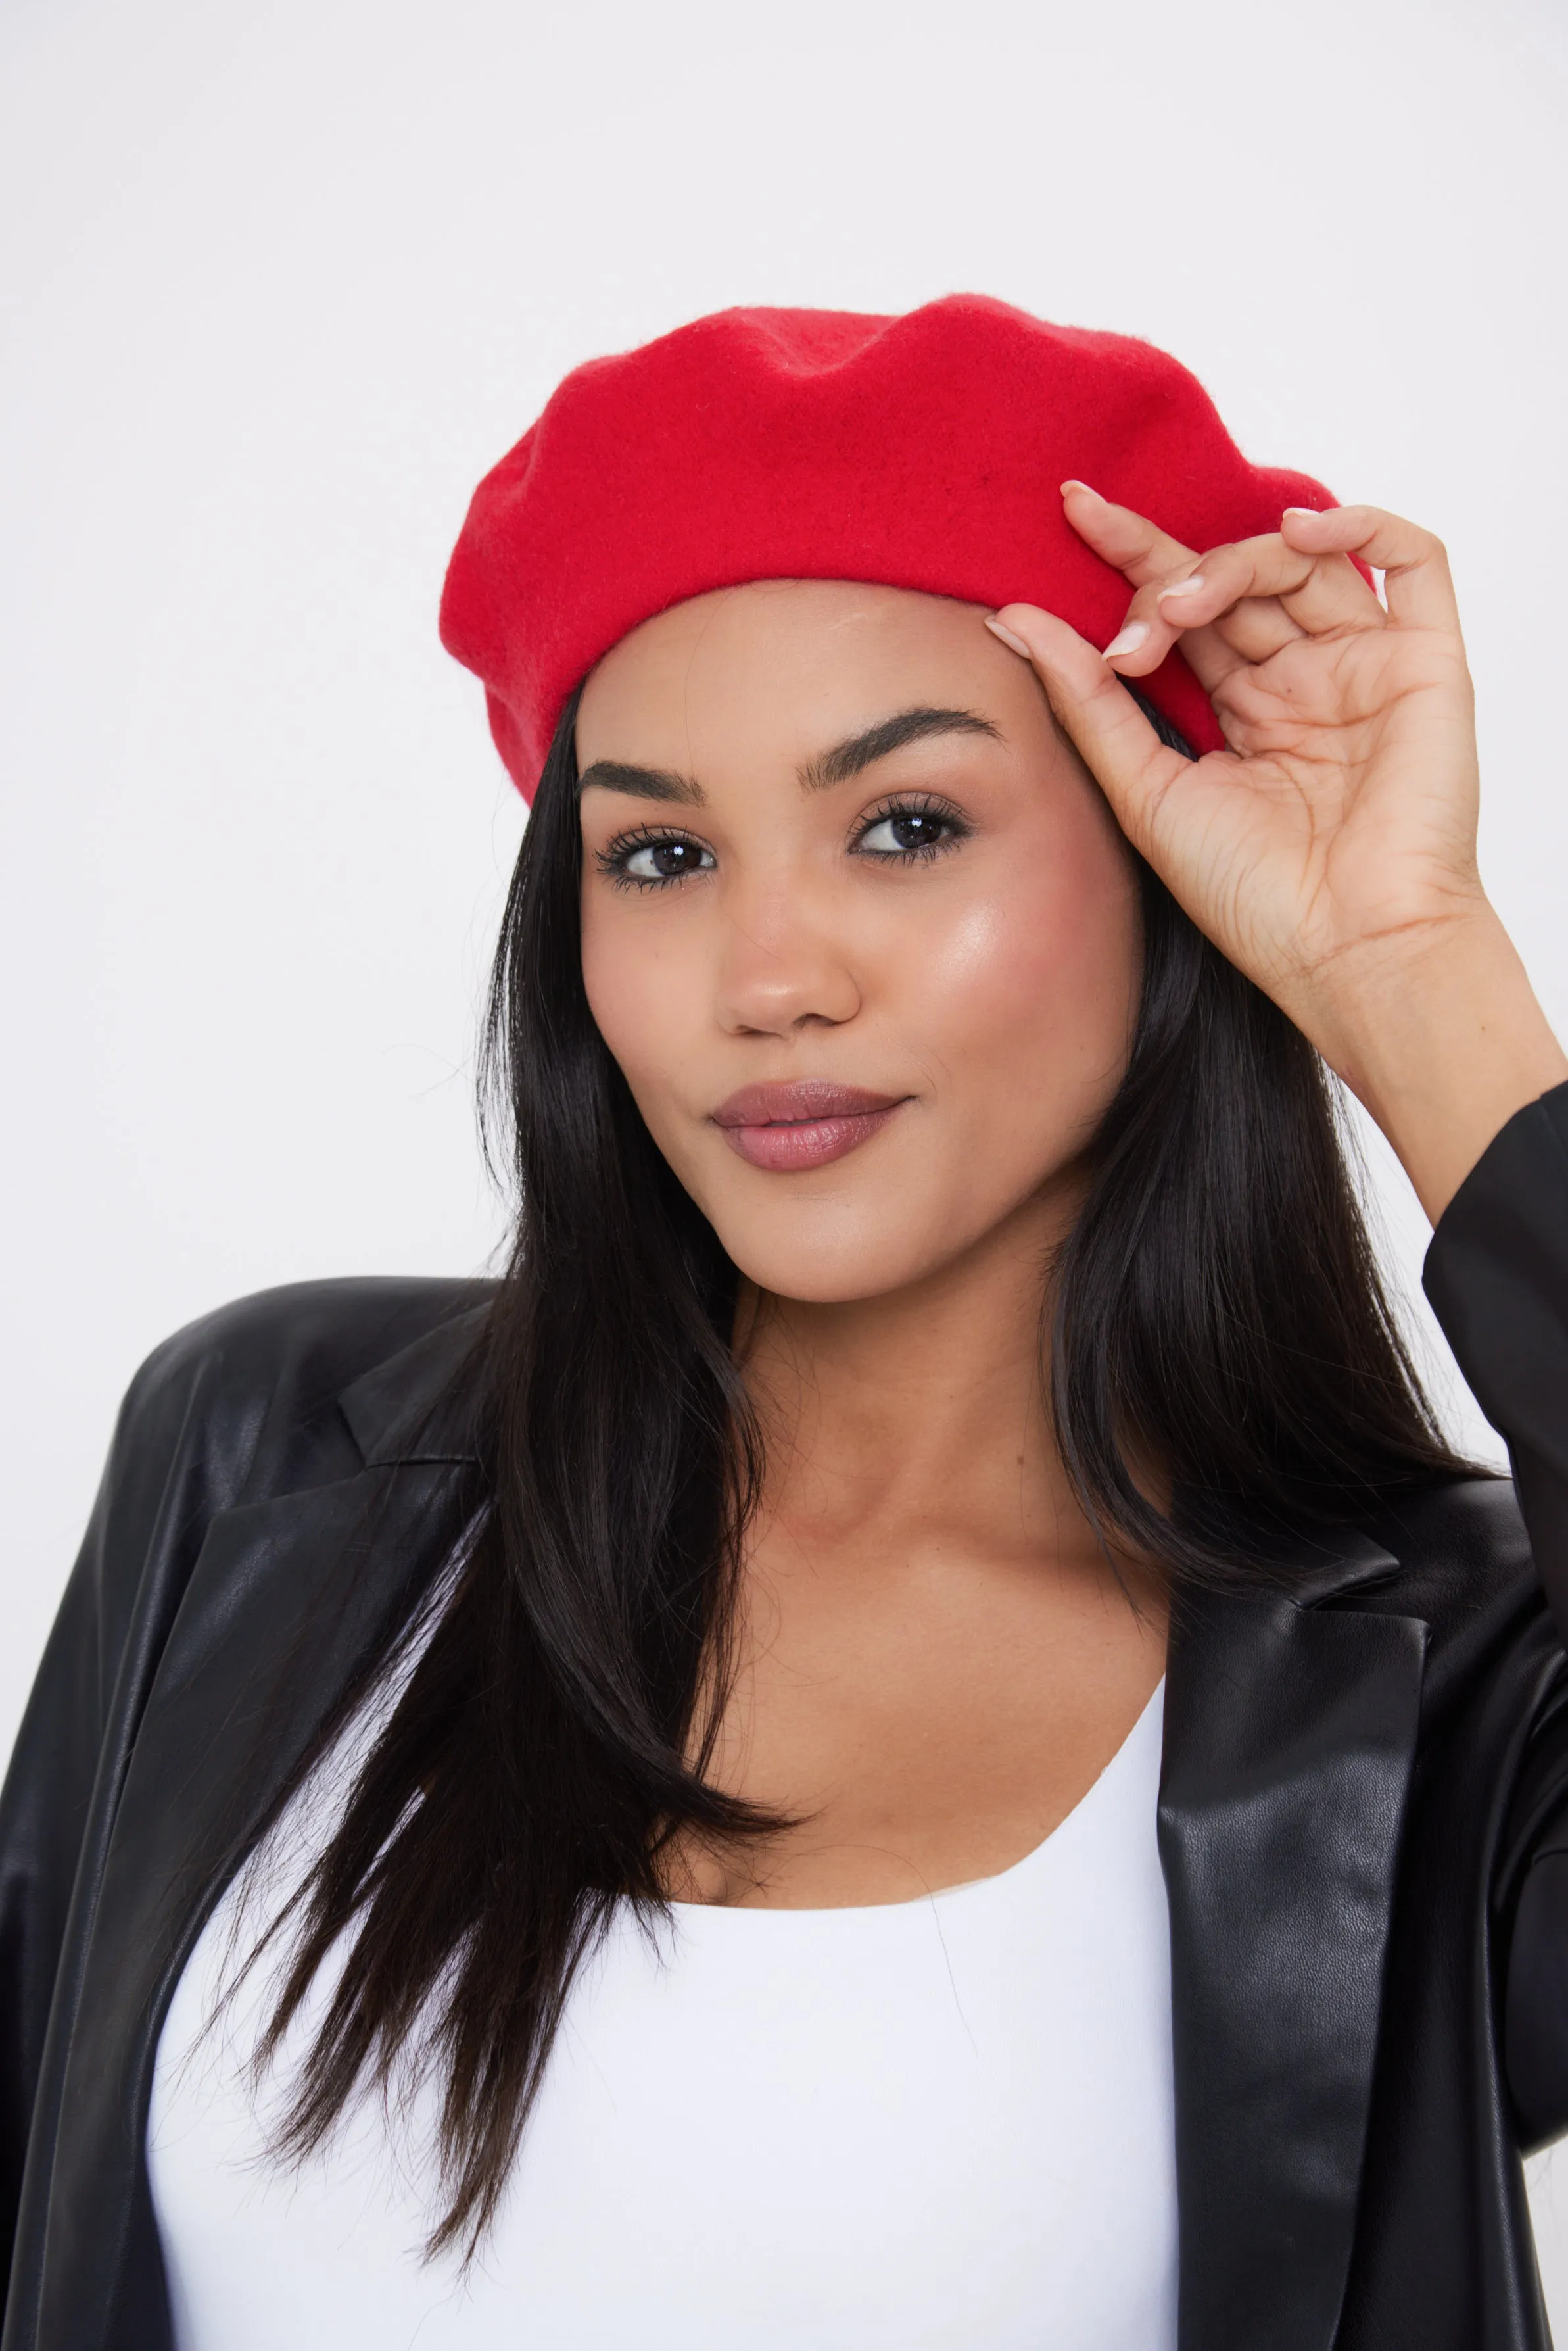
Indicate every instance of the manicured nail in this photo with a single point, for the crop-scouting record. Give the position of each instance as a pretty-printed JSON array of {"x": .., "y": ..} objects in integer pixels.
[
  {"x": 1312, "y": 511},
  {"x": 1081, "y": 485},
  {"x": 1186, "y": 587},
  {"x": 999, "y": 629},
  {"x": 1129, "y": 641}
]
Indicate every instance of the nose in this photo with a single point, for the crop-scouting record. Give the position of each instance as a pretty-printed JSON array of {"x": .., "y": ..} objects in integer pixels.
[{"x": 782, "y": 966}]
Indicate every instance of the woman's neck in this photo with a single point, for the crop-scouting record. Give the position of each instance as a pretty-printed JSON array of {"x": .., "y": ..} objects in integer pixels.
[
  {"x": 932, "y": 1657},
  {"x": 923, "y": 1408}
]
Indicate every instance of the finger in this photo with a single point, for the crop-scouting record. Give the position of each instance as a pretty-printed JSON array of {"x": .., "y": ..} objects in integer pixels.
[
  {"x": 1417, "y": 580},
  {"x": 1249, "y": 634},
  {"x": 1318, "y": 591},
  {"x": 1215, "y": 618},
  {"x": 1137, "y": 548},
  {"x": 1133, "y": 768},
  {"x": 1152, "y": 559},
  {"x": 1157, "y": 618},
  {"x": 1251, "y": 598}
]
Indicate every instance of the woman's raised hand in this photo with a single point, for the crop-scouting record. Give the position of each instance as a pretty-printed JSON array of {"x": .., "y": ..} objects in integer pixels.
[
  {"x": 1329, "y": 849},
  {"x": 1343, "y": 812}
]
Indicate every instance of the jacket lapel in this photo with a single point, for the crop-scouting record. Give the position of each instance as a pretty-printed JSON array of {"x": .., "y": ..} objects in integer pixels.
[
  {"x": 1290, "y": 1737},
  {"x": 412, "y": 1408},
  {"x": 286, "y": 1601}
]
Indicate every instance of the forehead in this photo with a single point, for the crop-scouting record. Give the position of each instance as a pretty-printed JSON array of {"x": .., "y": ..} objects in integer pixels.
[{"x": 794, "y": 664}]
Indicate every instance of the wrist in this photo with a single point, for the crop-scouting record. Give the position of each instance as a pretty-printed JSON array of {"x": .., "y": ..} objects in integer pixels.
[{"x": 1438, "y": 1034}]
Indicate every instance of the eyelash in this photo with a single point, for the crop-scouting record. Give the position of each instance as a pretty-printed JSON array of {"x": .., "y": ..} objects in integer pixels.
[
  {"x": 613, "y": 860},
  {"x": 913, "y": 804}
]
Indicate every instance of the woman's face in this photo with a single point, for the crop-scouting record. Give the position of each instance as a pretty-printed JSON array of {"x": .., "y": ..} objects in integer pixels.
[{"x": 857, "y": 927}]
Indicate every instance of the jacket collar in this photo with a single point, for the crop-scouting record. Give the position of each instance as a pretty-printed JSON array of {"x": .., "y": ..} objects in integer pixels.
[
  {"x": 1289, "y": 1736},
  {"x": 1333, "y": 1564},
  {"x": 408, "y": 1409}
]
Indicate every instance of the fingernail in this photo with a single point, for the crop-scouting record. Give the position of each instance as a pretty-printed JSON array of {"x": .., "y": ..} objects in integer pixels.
[
  {"x": 1129, "y": 641},
  {"x": 1182, "y": 586},
  {"x": 1081, "y": 485},
  {"x": 999, "y": 629},
  {"x": 1312, "y": 511}
]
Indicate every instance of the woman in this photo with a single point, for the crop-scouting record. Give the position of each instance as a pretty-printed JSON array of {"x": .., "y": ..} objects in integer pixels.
[{"x": 645, "y": 1777}]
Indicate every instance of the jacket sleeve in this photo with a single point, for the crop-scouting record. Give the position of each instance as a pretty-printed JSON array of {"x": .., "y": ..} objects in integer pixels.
[
  {"x": 159, "y": 1492},
  {"x": 1497, "y": 1276},
  {"x": 243, "y": 1403}
]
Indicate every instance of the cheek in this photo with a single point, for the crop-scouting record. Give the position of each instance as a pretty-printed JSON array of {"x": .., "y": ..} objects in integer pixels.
[
  {"x": 1037, "y": 979},
  {"x": 646, "y": 989},
  {"x": 615, "y": 979}
]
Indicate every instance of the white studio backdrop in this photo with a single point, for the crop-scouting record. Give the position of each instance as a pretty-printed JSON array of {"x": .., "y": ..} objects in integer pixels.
[{"x": 280, "y": 283}]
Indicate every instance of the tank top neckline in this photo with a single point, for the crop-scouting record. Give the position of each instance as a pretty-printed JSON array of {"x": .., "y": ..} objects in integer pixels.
[{"x": 688, "y": 1914}]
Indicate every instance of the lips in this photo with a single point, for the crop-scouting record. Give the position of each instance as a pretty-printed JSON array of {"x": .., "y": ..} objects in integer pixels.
[{"x": 802, "y": 1123}]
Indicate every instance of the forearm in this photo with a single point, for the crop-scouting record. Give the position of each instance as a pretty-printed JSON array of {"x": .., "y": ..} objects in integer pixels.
[{"x": 1441, "y": 1038}]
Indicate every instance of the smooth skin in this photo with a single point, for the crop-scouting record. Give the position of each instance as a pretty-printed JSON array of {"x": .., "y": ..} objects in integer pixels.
[{"x": 936, "y": 1658}]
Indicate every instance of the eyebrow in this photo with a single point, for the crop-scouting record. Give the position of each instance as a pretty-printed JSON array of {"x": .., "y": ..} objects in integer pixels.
[
  {"x": 643, "y": 783},
  {"x": 860, "y": 751},
  {"x": 834, "y": 766}
]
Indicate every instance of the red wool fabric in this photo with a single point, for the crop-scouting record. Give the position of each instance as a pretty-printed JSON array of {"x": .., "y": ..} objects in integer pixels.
[{"x": 926, "y": 451}]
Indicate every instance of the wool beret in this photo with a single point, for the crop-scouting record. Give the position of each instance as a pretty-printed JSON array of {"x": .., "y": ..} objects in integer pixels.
[{"x": 926, "y": 451}]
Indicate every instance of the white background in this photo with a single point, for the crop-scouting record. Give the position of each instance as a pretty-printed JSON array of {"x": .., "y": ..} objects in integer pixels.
[{"x": 279, "y": 283}]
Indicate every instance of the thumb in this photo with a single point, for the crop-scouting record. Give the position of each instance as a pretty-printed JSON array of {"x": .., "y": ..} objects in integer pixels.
[{"x": 1121, "y": 750}]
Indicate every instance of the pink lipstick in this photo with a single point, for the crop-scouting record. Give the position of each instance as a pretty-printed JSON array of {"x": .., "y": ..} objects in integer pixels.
[{"x": 802, "y": 1123}]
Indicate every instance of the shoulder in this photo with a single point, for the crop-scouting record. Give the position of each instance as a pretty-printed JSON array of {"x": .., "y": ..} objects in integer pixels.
[
  {"x": 325, "y": 1334},
  {"x": 255, "y": 1387},
  {"x": 248, "y": 1405}
]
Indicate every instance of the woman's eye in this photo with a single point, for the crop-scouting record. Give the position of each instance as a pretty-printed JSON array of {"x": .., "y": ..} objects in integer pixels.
[
  {"x": 668, "y": 859},
  {"x": 905, "y": 832}
]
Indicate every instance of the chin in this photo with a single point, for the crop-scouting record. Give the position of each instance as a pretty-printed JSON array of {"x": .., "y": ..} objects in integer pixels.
[
  {"x": 807, "y": 1282},
  {"x": 823, "y": 1270}
]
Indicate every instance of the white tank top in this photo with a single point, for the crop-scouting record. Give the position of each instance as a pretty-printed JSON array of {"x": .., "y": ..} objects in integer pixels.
[{"x": 940, "y": 2123}]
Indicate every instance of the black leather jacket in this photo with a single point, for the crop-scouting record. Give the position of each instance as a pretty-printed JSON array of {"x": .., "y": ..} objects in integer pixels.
[{"x": 1364, "y": 1808}]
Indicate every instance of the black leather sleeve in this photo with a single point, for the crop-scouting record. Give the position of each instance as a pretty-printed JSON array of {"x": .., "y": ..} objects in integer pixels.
[
  {"x": 240, "y": 1404},
  {"x": 153, "y": 1509},
  {"x": 1535, "y": 2002},
  {"x": 1497, "y": 1276}
]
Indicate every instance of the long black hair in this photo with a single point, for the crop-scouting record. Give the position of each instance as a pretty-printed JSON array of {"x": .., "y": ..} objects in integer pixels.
[{"x": 1217, "y": 1310}]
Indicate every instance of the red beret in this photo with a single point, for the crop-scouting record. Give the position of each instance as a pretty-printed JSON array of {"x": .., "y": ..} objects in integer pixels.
[{"x": 924, "y": 452}]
